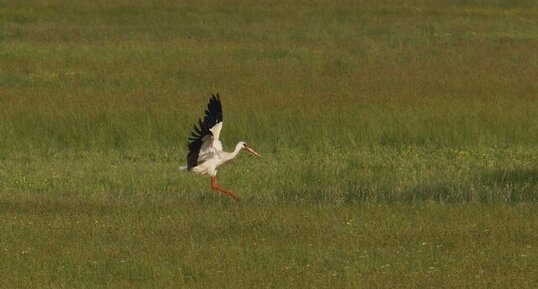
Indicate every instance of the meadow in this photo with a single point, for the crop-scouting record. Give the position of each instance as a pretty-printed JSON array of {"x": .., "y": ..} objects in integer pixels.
[{"x": 399, "y": 144}]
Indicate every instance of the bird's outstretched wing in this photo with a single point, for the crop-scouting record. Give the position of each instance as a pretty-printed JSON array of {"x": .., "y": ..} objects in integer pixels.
[{"x": 204, "y": 140}]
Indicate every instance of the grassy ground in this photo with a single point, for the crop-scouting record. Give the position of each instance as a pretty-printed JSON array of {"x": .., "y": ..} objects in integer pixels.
[
  {"x": 169, "y": 243},
  {"x": 398, "y": 138}
]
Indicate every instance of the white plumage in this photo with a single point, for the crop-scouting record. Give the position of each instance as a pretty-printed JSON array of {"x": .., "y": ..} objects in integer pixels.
[{"x": 205, "y": 149}]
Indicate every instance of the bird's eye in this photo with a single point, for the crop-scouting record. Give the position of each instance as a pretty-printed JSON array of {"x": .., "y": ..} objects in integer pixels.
[{"x": 244, "y": 145}]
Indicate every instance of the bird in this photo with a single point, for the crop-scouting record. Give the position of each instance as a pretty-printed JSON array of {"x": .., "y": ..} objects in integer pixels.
[{"x": 205, "y": 149}]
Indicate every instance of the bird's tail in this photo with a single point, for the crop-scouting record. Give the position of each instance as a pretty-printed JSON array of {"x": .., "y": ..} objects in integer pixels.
[{"x": 183, "y": 168}]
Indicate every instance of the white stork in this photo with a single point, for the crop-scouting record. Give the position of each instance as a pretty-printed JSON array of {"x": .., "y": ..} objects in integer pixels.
[{"x": 205, "y": 148}]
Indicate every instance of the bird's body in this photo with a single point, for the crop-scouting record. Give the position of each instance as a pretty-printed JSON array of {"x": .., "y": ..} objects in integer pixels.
[{"x": 205, "y": 149}]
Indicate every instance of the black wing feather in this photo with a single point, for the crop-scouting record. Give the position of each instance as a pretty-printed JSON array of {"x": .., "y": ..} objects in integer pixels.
[{"x": 213, "y": 115}]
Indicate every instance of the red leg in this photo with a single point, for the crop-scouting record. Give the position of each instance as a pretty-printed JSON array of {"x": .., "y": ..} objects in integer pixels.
[{"x": 216, "y": 187}]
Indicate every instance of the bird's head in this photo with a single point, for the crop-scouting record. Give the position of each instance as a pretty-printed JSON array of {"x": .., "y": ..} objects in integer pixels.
[{"x": 248, "y": 149}]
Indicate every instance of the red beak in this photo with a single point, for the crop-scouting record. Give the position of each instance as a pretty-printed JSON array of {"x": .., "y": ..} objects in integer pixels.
[{"x": 252, "y": 151}]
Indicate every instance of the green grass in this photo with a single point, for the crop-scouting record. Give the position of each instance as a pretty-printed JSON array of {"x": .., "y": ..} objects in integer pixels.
[
  {"x": 399, "y": 143},
  {"x": 163, "y": 242}
]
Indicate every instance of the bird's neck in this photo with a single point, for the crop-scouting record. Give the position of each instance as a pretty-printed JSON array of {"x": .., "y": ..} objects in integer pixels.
[{"x": 236, "y": 151}]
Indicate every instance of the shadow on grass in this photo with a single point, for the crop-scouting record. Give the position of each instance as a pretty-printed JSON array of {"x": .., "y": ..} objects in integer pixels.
[
  {"x": 52, "y": 205},
  {"x": 502, "y": 185},
  {"x": 515, "y": 185}
]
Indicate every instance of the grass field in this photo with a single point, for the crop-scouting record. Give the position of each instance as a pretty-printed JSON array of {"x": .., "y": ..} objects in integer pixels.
[{"x": 399, "y": 143}]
